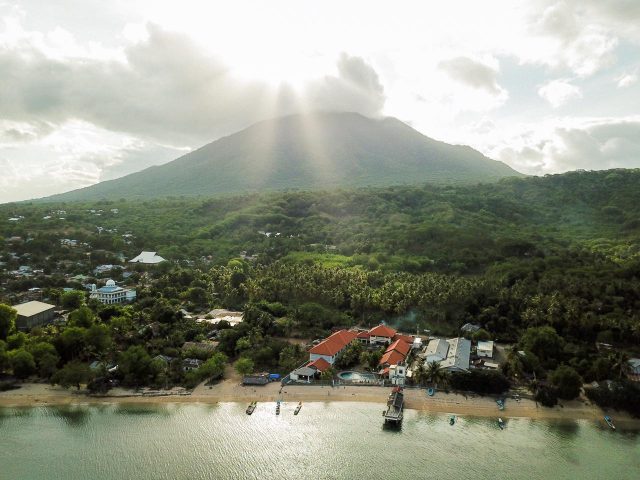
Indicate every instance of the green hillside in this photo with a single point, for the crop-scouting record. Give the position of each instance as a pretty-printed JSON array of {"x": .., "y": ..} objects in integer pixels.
[{"x": 323, "y": 150}]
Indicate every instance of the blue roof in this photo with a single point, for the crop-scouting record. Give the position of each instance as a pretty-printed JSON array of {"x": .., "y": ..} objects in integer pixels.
[{"x": 109, "y": 289}]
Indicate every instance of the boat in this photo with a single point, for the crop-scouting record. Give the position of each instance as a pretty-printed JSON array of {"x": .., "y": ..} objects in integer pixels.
[
  {"x": 251, "y": 407},
  {"x": 452, "y": 420},
  {"x": 501, "y": 423},
  {"x": 609, "y": 421},
  {"x": 500, "y": 403},
  {"x": 297, "y": 410},
  {"x": 395, "y": 406},
  {"x": 278, "y": 408},
  {"x": 431, "y": 391}
]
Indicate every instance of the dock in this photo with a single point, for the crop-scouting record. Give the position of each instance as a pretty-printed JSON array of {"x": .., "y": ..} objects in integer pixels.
[{"x": 395, "y": 406}]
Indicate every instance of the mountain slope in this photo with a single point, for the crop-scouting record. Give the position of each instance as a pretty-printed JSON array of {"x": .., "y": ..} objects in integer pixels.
[{"x": 312, "y": 151}]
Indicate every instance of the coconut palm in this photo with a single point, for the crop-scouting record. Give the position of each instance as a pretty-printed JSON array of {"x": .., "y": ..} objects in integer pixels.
[
  {"x": 434, "y": 372},
  {"x": 420, "y": 373}
]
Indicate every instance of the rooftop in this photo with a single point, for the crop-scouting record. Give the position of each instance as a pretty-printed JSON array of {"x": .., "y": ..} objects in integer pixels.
[
  {"x": 382, "y": 331},
  {"x": 32, "y": 308},
  {"x": 334, "y": 343},
  {"x": 147, "y": 258}
]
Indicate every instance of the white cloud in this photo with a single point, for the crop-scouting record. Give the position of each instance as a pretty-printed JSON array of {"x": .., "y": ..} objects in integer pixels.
[
  {"x": 558, "y": 92},
  {"x": 627, "y": 79}
]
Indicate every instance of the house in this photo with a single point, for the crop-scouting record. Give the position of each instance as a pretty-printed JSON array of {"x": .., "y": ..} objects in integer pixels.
[
  {"x": 453, "y": 355},
  {"x": 469, "y": 328},
  {"x": 189, "y": 364},
  {"x": 218, "y": 315},
  {"x": 308, "y": 372},
  {"x": 381, "y": 335},
  {"x": 330, "y": 347},
  {"x": 111, "y": 293},
  {"x": 34, "y": 314},
  {"x": 398, "y": 374},
  {"x": 147, "y": 258},
  {"x": 395, "y": 353},
  {"x": 485, "y": 349}
]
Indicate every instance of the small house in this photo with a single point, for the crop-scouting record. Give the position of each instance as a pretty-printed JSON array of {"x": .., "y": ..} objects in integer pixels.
[{"x": 485, "y": 349}]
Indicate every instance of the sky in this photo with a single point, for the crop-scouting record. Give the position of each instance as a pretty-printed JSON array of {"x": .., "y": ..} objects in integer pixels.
[{"x": 91, "y": 90}]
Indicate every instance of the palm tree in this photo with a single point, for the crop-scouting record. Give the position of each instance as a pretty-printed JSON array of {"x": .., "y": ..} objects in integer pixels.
[
  {"x": 420, "y": 373},
  {"x": 434, "y": 372}
]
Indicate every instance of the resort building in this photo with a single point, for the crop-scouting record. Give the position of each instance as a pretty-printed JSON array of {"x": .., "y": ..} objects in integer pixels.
[
  {"x": 111, "y": 293},
  {"x": 330, "y": 347},
  {"x": 310, "y": 371},
  {"x": 147, "y": 258},
  {"x": 485, "y": 349},
  {"x": 453, "y": 354},
  {"x": 381, "y": 335},
  {"x": 34, "y": 314},
  {"x": 398, "y": 374}
]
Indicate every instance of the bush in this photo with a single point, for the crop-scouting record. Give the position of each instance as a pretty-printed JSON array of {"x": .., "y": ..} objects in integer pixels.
[
  {"x": 567, "y": 382},
  {"x": 623, "y": 395},
  {"x": 547, "y": 396}
]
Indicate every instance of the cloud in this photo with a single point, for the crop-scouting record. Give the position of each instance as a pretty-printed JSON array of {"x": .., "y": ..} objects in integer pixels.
[
  {"x": 593, "y": 144},
  {"x": 559, "y": 92},
  {"x": 473, "y": 74},
  {"x": 627, "y": 79}
]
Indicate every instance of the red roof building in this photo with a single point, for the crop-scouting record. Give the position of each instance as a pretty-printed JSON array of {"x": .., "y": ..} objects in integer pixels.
[
  {"x": 319, "y": 364},
  {"x": 382, "y": 331},
  {"x": 331, "y": 346}
]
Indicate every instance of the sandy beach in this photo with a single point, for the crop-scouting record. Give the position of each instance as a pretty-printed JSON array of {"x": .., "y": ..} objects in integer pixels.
[{"x": 32, "y": 394}]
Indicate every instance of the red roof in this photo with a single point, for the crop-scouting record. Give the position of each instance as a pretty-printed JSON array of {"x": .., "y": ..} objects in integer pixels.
[
  {"x": 363, "y": 335},
  {"x": 392, "y": 357},
  {"x": 384, "y": 372},
  {"x": 320, "y": 364},
  {"x": 334, "y": 343},
  {"x": 399, "y": 346},
  {"x": 382, "y": 331},
  {"x": 406, "y": 338}
]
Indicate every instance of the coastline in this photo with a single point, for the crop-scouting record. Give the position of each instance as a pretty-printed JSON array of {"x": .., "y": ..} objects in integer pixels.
[{"x": 37, "y": 395}]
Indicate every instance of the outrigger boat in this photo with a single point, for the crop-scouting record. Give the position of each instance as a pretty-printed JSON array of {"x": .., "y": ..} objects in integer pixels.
[
  {"x": 431, "y": 391},
  {"x": 452, "y": 420},
  {"x": 278, "y": 408},
  {"x": 609, "y": 421},
  {"x": 501, "y": 423},
  {"x": 251, "y": 407},
  {"x": 297, "y": 410},
  {"x": 500, "y": 403}
]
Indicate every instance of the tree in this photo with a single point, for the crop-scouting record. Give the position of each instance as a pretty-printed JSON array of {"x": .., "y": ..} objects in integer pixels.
[
  {"x": 72, "y": 374},
  {"x": 48, "y": 365},
  {"x": 98, "y": 338},
  {"x": 17, "y": 340},
  {"x": 72, "y": 300},
  {"x": 8, "y": 317},
  {"x": 71, "y": 342},
  {"x": 136, "y": 366},
  {"x": 544, "y": 342},
  {"x": 22, "y": 363},
  {"x": 83, "y": 317},
  {"x": 420, "y": 373},
  {"x": 4, "y": 356},
  {"x": 567, "y": 382},
  {"x": 290, "y": 357},
  {"x": 213, "y": 368},
  {"x": 244, "y": 366},
  {"x": 434, "y": 372},
  {"x": 328, "y": 374},
  {"x": 481, "y": 335}
]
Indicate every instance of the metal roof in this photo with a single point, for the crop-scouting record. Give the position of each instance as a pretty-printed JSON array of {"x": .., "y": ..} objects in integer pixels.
[{"x": 32, "y": 308}]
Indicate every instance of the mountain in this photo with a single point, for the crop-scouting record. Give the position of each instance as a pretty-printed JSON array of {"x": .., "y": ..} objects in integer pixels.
[{"x": 321, "y": 150}]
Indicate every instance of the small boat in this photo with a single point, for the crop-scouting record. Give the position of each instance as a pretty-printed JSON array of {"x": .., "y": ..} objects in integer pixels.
[
  {"x": 500, "y": 403},
  {"x": 297, "y": 410},
  {"x": 431, "y": 391},
  {"x": 251, "y": 407},
  {"x": 452, "y": 420},
  {"x": 609, "y": 421},
  {"x": 501, "y": 423},
  {"x": 278, "y": 408}
]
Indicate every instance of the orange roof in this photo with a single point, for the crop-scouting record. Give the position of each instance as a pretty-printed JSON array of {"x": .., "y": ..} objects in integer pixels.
[
  {"x": 334, "y": 343},
  {"x": 382, "y": 331},
  {"x": 406, "y": 338},
  {"x": 384, "y": 372},
  {"x": 399, "y": 346},
  {"x": 320, "y": 364},
  {"x": 363, "y": 335},
  {"x": 392, "y": 357}
]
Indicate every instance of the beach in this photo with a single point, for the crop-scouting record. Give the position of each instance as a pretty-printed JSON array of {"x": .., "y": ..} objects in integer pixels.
[{"x": 230, "y": 390}]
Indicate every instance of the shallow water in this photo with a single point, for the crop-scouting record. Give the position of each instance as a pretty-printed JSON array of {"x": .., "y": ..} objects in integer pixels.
[{"x": 325, "y": 441}]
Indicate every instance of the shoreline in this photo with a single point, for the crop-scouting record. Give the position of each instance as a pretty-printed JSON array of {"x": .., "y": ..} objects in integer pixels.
[{"x": 38, "y": 395}]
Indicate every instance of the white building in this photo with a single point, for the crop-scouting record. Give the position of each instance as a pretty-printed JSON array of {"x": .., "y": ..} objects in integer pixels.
[
  {"x": 397, "y": 374},
  {"x": 485, "y": 349},
  {"x": 111, "y": 293},
  {"x": 148, "y": 258}
]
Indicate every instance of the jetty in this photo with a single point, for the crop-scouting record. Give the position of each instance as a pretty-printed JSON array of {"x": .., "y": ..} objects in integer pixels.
[{"x": 395, "y": 406}]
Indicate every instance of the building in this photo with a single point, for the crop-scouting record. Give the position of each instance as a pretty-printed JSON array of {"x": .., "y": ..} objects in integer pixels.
[
  {"x": 485, "y": 349},
  {"x": 112, "y": 293},
  {"x": 453, "y": 355},
  {"x": 633, "y": 369},
  {"x": 398, "y": 374},
  {"x": 330, "y": 347},
  {"x": 381, "y": 335},
  {"x": 147, "y": 258},
  {"x": 34, "y": 314},
  {"x": 310, "y": 371}
]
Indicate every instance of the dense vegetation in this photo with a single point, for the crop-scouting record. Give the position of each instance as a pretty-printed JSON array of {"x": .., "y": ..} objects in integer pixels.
[{"x": 549, "y": 264}]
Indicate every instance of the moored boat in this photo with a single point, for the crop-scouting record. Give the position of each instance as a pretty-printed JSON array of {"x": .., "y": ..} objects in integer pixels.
[
  {"x": 500, "y": 403},
  {"x": 609, "y": 421},
  {"x": 431, "y": 391},
  {"x": 251, "y": 407},
  {"x": 278, "y": 408},
  {"x": 501, "y": 423},
  {"x": 297, "y": 410},
  {"x": 452, "y": 420}
]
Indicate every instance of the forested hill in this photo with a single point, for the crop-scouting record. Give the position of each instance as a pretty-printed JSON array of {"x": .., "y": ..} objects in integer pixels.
[
  {"x": 463, "y": 228},
  {"x": 323, "y": 150}
]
